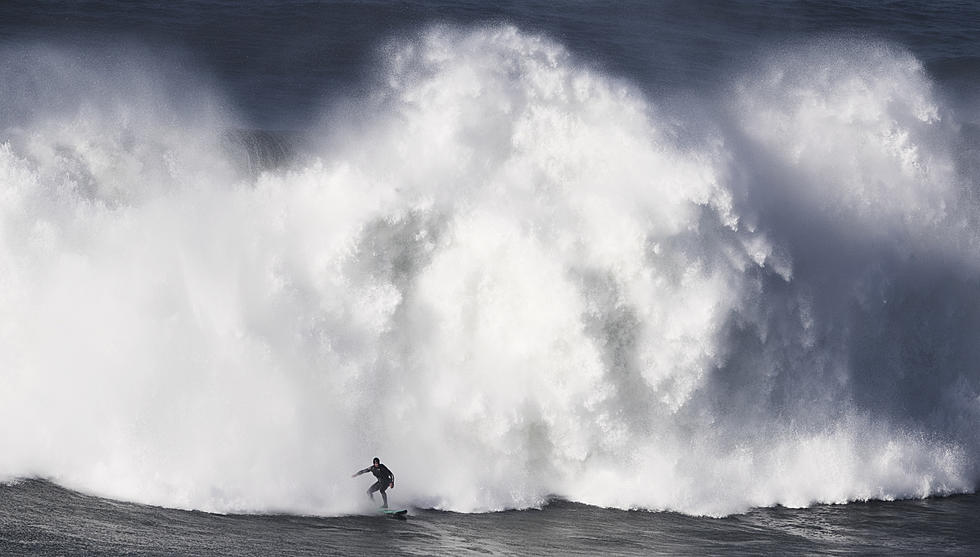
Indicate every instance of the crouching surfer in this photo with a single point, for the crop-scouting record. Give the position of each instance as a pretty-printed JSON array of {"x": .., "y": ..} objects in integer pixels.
[{"x": 385, "y": 480}]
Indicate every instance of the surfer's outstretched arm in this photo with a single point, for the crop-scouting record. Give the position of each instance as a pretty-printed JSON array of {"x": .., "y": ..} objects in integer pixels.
[{"x": 368, "y": 469}]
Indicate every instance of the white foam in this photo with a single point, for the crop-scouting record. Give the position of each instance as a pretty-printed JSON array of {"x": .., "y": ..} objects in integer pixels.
[{"x": 508, "y": 279}]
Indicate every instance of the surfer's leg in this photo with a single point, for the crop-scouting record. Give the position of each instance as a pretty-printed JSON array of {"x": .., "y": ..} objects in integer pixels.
[
  {"x": 373, "y": 488},
  {"x": 384, "y": 497}
]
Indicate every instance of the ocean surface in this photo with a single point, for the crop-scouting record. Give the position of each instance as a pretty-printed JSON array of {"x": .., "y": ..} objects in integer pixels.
[{"x": 589, "y": 277}]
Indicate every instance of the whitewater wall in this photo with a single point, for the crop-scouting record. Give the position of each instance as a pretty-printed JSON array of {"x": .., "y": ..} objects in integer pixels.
[{"x": 506, "y": 274}]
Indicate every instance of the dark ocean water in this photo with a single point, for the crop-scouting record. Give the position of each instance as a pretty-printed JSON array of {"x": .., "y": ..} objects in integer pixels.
[
  {"x": 38, "y": 518},
  {"x": 593, "y": 277}
]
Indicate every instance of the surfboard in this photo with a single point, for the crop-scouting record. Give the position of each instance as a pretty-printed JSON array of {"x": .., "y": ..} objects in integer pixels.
[{"x": 393, "y": 513}]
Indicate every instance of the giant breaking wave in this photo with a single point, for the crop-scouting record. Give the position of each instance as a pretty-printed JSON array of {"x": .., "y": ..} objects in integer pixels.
[{"x": 509, "y": 275}]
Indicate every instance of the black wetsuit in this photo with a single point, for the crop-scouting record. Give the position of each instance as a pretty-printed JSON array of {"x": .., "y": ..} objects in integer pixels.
[{"x": 385, "y": 479}]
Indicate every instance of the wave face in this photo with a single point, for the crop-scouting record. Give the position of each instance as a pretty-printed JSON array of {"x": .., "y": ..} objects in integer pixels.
[{"x": 507, "y": 274}]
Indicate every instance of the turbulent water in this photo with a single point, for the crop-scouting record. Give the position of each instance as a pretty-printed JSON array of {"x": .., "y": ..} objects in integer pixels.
[
  {"x": 45, "y": 519},
  {"x": 651, "y": 257}
]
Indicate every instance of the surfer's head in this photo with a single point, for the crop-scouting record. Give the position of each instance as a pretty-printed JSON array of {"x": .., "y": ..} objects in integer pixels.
[{"x": 377, "y": 460}]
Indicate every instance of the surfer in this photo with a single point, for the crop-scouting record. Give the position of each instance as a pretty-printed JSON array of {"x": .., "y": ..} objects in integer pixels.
[{"x": 385, "y": 480}]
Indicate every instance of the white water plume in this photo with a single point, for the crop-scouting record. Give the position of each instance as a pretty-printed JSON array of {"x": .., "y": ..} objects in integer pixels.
[{"x": 509, "y": 277}]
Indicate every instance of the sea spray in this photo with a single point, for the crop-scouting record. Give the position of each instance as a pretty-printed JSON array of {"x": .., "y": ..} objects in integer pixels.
[{"x": 507, "y": 274}]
